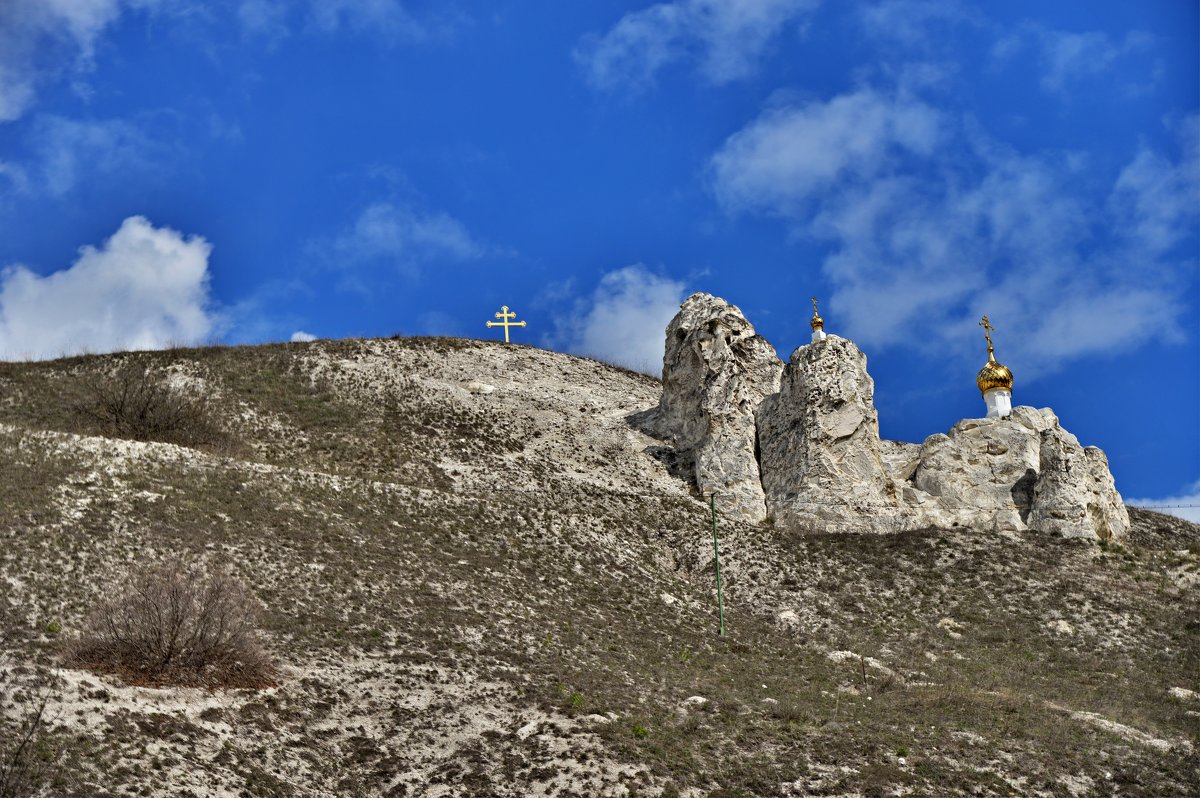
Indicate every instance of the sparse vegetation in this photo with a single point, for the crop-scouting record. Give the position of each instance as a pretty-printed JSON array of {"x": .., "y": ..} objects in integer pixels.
[
  {"x": 466, "y": 585},
  {"x": 137, "y": 403},
  {"x": 177, "y": 624},
  {"x": 27, "y": 753}
]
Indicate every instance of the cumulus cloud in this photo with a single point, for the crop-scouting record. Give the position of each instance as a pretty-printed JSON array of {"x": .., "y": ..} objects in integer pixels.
[
  {"x": 625, "y": 319},
  {"x": 725, "y": 37},
  {"x": 924, "y": 239},
  {"x": 146, "y": 287},
  {"x": 1172, "y": 504},
  {"x": 39, "y": 37},
  {"x": 400, "y": 236},
  {"x": 302, "y": 337}
]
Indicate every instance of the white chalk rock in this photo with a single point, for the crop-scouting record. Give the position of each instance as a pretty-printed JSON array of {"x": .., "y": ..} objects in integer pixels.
[
  {"x": 820, "y": 453},
  {"x": 716, "y": 371},
  {"x": 1075, "y": 495}
]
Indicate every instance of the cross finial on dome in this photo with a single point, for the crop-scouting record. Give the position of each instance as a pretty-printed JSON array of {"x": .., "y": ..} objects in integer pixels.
[
  {"x": 987, "y": 333},
  {"x": 817, "y": 323},
  {"x": 995, "y": 381}
]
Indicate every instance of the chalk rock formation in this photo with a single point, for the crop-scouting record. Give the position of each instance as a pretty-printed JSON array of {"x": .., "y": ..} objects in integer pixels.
[
  {"x": 820, "y": 463},
  {"x": 982, "y": 473},
  {"x": 819, "y": 445},
  {"x": 1075, "y": 495},
  {"x": 716, "y": 372},
  {"x": 1017, "y": 473},
  {"x": 900, "y": 459}
]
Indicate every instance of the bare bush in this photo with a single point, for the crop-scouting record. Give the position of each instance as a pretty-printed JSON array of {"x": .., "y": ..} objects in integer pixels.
[
  {"x": 178, "y": 625},
  {"x": 137, "y": 404},
  {"x": 27, "y": 754}
]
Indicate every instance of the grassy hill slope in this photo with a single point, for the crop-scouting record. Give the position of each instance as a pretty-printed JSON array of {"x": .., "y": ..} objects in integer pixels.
[{"x": 480, "y": 578}]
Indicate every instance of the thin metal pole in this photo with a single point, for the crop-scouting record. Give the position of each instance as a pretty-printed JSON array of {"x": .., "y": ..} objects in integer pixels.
[{"x": 717, "y": 553}]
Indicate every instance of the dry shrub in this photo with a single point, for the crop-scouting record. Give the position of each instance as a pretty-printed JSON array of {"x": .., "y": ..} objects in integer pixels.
[
  {"x": 178, "y": 625},
  {"x": 137, "y": 404},
  {"x": 27, "y": 754}
]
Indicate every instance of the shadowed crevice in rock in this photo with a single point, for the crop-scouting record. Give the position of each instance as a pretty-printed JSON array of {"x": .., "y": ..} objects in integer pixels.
[{"x": 1022, "y": 494}]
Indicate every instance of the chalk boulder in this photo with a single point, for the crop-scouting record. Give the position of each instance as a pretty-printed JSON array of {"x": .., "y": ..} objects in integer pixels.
[{"x": 716, "y": 372}]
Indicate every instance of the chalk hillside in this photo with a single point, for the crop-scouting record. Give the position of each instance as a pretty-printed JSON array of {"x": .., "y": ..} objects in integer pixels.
[{"x": 480, "y": 576}]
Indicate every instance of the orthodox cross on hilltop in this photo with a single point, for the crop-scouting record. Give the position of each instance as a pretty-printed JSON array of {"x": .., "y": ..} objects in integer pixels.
[{"x": 505, "y": 316}]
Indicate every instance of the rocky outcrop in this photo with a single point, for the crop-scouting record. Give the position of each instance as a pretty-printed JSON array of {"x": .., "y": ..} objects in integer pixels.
[
  {"x": 1017, "y": 473},
  {"x": 819, "y": 445},
  {"x": 716, "y": 372},
  {"x": 1075, "y": 495},
  {"x": 982, "y": 473},
  {"x": 820, "y": 464}
]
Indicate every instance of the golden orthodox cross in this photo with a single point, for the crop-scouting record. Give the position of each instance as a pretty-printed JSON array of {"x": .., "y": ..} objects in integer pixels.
[
  {"x": 505, "y": 316},
  {"x": 987, "y": 331}
]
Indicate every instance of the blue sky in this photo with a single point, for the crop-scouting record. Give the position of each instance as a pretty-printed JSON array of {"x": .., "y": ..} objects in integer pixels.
[{"x": 176, "y": 171}]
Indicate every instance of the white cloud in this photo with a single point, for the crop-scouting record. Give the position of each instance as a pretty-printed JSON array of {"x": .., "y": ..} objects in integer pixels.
[
  {"x": 625, "y": 320},
  {"x": 400, "y": 236},
  {"x": 781, "y": 159},
  {"x": 144, "y": 288},
  {"x": 39, "y": 38},
  {"x": 67, "y": 149},
  {"x": 62, "y": 153},
  {"x": 265, "y": 18},
  {"x": 916, "y": 22},
  {"x": 385, "y": 17},
  {"x": 726, "y": 37},
  {"x": 1067, "y": 57},
  {"x": 389, "y": 21},
  {"x": 13, "y": 177},
  {"x": 1171, "y": 504},
  {"x": 302, "y": 337},
  {"x": 924, "y": 239},
  {"x": 1157, "y": 197}
]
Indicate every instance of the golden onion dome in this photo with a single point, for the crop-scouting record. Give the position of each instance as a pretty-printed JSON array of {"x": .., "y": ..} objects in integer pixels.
[
  {"x": 993, "y": 375},
  {"x": 817, "y": 322}
]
